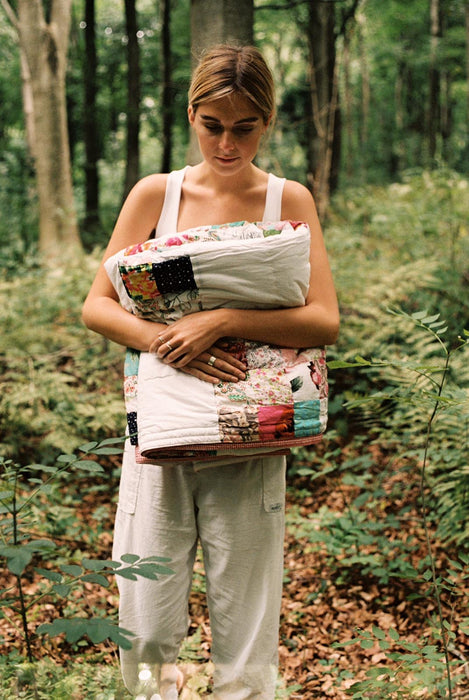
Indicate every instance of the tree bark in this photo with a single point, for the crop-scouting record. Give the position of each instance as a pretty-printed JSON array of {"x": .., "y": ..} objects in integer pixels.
[
  {"x": 467, "y": 57},
  {"x": 43, "y": 40},
  {"x": 91, "y": 221},
  {"x": 325, "y": 127},
  {"x": 435, "y": 80},
  {"x": 218, "y": 22},
  {"x": 167, "y": 93},
  {"x": 133, "y": 98}
]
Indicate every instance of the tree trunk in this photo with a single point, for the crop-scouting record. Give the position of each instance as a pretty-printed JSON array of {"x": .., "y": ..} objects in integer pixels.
[
  {"x": 397, "y": 152},
  {"x": 91, "y": 221},
  {"x": 434, "y": 98},
  {"x": 167, "y": 93},
  {"x": 325, "y": 128},
  {"x": 348, "y": 94},
  {"x": 467, "y": 59},
  {"x": 43, "y": 47},
  {"x": 218, "y": 22},
  {"x": 133, "y": 98}
]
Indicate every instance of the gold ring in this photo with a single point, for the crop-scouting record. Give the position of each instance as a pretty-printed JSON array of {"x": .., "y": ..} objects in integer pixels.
[
  {"x": 161, "y": 339},
  {"x": 211, "y": 360},
  {"x": 169, "y": 346}
]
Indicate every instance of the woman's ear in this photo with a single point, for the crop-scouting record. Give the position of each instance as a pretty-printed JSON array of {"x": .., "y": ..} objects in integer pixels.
[{"x": 191, "y": 114}]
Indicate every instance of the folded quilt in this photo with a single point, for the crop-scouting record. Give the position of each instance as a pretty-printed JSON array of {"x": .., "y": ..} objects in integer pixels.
[{"x": 282, "y": 402}]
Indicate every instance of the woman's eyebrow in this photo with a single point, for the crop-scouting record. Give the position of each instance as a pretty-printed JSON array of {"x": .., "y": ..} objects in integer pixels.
[{"x": 246, "y": 120}]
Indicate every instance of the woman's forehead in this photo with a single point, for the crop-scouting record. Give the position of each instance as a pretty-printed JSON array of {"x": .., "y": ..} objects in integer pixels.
[{"x": 235, "y": 107}]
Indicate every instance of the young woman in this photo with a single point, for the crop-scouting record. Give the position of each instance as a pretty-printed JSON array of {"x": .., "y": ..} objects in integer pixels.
[{"x": 231, "y": 509}]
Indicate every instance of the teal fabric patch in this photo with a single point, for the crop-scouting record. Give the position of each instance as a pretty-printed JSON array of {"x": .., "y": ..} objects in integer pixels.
[
  {"x": 132, "y": 358},
  {"x": 306, "y": 418}
]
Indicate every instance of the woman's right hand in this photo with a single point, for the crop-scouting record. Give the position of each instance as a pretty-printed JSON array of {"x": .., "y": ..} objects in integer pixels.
[{"x": 214, "y": 365}]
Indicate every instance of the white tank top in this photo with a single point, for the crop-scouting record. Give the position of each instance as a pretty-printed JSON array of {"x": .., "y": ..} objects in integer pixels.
[{"x": 170, "y": 212}]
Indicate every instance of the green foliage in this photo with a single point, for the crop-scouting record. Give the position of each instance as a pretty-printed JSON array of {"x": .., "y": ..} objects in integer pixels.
[
  {"x": 48, "y": 681},
  {"x": 402, "y": 376},
  {"x": 410, "y": 243},
  {"x": 58, "y": 380},
  {"x": 21, "y": 551},
  {"x": 417, "y": 669}
]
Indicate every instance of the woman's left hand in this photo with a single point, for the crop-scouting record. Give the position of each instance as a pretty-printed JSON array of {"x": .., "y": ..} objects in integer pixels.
[
  {"x": 215, "y": 366},
  {"x": 189, "y": 344}
]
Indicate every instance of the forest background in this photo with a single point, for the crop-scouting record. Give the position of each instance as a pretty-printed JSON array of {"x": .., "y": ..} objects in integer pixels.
[{"x": 373, "y": 111}]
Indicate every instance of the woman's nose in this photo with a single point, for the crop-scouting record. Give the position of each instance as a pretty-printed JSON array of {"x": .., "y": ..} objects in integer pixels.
[{"x": 226, "y": 141}]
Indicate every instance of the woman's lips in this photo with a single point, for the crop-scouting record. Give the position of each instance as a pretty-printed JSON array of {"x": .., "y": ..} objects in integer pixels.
[{"x": 230, "y": 159}]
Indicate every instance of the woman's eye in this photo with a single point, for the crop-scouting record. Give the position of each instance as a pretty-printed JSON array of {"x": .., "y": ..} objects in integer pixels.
[
  {"x": 243, "y": 132},
  {"x": 213, "y": 128}
]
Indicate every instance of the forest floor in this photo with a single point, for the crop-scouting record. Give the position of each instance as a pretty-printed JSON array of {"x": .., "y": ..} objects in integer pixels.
[{"x": 320, "y": 608}]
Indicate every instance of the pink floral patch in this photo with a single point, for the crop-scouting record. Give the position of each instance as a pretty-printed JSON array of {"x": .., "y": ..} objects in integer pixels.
[{"x": 276, "y": 422}]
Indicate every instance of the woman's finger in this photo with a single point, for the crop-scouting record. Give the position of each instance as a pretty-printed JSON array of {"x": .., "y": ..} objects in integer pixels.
[{"x": 220, "y": 370}]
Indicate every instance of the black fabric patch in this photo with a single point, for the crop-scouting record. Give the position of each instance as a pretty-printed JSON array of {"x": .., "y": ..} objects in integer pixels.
[
  {"x": 132, "y": 423},
  {"x": 174, "y": 275}
]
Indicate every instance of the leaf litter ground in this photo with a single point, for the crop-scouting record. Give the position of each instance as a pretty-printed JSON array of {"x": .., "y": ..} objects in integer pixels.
[{"x": 320, "y": 608}]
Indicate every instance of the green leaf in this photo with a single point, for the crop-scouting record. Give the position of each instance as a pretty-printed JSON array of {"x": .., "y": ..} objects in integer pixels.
[
  {"x": 62, "y": 589},
  {"x": 130, "y": 558},
  {"x": 94, "y": 564},
  {"x": 50, "y": 575},
  {"x": 108, "y": 450},
  {"x": 113, "y": 441},
  {"x": 18, "y": 558},
  {"x": 126, "y": 573},
  {"x": 88, "y": 446},
  {"x": 71, "y": 569},
  {"x": 66, "y": 459},
  {"x": 96, "y": 578},
  {"x": 74, "y": 629},
  {"x": 88, "y": 465},
  {"x": 378, "y": 632},
  {"x": 367, "y": 643}
]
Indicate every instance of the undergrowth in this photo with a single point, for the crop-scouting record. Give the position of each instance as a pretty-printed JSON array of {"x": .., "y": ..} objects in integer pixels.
[{"x": 399, "y": 257}]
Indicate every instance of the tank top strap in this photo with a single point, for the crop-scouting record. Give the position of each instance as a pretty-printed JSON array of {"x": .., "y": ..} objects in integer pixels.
[
  {"x": 273, "y": 199},
  {"x": 168, "y": 220}
]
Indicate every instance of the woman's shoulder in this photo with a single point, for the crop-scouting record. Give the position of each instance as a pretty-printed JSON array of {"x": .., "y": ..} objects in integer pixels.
[
  {"x": 295, "y": 191},
  {"x": 150, "y": 185},
  {"x": 297, "y": 201}
]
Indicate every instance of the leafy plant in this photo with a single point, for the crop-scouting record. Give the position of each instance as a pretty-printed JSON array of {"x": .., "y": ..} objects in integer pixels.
[
  {"x": 427, "y": 393},
  {"x": 22, "y": 551}
]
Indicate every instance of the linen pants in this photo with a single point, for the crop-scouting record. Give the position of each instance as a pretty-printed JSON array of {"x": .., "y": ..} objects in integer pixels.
[{"x": 236, "y": 511}]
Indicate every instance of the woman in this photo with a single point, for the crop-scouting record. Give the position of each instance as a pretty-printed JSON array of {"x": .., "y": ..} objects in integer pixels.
[{"x": 236, "y": 510}]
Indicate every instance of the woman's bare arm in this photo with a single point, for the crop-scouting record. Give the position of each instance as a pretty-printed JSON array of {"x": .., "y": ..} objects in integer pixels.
[{"x": 316, "y": 323}]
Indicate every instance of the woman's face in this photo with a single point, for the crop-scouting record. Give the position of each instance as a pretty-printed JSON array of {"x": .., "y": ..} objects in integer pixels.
[{"x": 229, "y": 131}]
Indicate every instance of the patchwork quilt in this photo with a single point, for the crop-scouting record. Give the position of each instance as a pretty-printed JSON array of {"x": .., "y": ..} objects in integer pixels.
[{"x": 282, "y": 402}]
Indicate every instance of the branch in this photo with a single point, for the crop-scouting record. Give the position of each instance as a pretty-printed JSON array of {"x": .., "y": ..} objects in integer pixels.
[
  {"x": 347, "y": 16},
  {"x": 10, "y": 13}
]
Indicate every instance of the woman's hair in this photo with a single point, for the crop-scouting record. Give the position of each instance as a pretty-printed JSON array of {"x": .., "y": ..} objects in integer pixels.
[{"x": 227, "y": 70}]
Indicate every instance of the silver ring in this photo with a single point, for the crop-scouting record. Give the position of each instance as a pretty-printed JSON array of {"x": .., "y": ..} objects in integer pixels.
[
  {"x": 161, "y": 339},
  {"x": 169, "y": 346},
  {"x": 211, "y": 360}
]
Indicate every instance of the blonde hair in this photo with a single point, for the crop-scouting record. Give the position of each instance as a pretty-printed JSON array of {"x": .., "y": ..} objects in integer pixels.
[{"x": 225, "y": 70}]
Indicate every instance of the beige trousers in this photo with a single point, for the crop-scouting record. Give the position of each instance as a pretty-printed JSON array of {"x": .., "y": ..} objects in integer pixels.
[{"x": 236, "y": 511}]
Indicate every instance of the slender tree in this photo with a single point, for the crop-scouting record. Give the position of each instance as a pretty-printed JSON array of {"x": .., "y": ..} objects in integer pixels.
[
  {"x": 90, "y": 120},
  {"x": 133, "y": 98},
  {"x": 215, "y": 22},
  {"x": 43, "y": 32},
  {"x": 324, "y": 101},
  {"x": 167, "y": 92},
  {"x": 435, "y": 79}
]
